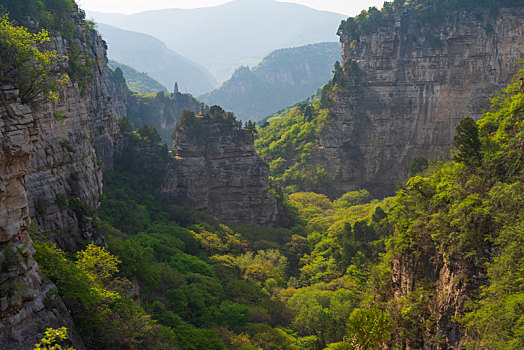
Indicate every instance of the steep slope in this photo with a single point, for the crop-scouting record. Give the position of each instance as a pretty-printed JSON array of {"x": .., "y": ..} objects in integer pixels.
[
  {"x": 212, "y": 151},
  {"x": 76, "y": 140},
  {"x": 53, "y": 151},
  {"x": 27, "y": 304},
  {"x": 148, "y": 54},
  {"x": 237, "y": 33},
  {"x": 410, "y": 73},
  {"x": 458, "y": 240},
  {"x": 283, "y": 78},
  {"x": 406, "y": 85},
  {"x": 137, "y": 82}
]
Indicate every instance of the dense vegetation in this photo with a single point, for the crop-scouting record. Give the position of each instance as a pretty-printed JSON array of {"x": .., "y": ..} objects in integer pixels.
[
  {"x": 283, "y": 78},
  {"x": 25, "y": 65},
  {"x": 137, "y": 82},
  {"x": 425, "y": 11},
  {"x": 325, "y": 282},
  {"x": 288, "y": 141},
  {"x": 171, "y": 277}
]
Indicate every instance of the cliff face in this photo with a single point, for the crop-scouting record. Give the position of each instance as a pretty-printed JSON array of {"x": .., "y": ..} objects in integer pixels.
[
  {"x": 218, "y": 171},
  {"x": 51, "y": 159},
  {"x": 408, "y": 84},
  {"x": 26, "y": 306},
  {"x": 75, "y": 140}
]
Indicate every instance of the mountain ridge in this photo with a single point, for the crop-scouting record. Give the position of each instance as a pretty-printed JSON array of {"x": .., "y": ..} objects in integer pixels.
[
  {"x": 212, "y": 36},
  {"x": 283, "y": 78},
  {"x": 148, "y": 54}
]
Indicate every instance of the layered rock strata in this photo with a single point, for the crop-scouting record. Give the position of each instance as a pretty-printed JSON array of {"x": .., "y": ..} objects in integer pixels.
[
  {"x": 407, "y": 85},
  {"x": 214, "y": 169},
  {"x": 218, "y": 171},
  {"x": 76, "y": 136},
  {"x": 27, "y": 302}
]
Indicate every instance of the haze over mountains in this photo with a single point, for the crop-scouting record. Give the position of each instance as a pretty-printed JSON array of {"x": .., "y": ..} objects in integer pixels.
[
  {"x": 148, "y": 54},
  {"x": 136, "y": 81},
  {"x": 283, "y": 78},
  {"x": 225, "y": 37}
]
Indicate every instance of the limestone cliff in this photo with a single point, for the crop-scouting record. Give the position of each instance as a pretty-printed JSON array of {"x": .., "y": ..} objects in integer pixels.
[
  {"x": 52, "y": 155},
  {"x": 405, "y": 86},
  {"x": 75, "y": 140},
  {"x": 218, "y": 171},
  {"x": 27, "y": 304},
  {"x": 215, "y": 169}
]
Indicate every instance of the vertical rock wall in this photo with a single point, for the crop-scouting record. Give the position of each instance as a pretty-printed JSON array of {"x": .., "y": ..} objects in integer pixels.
[
  {"x": 406, "y": 87},
  {"x": 76, "y": 136},
  {"x": 27, "y": 307}
]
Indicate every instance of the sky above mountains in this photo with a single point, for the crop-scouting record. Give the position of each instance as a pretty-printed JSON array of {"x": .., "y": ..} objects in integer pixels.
[{"x": 347, "y": 7}]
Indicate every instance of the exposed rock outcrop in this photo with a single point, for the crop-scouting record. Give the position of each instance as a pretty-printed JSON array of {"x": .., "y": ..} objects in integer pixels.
[
  {"x": 407, "y": 85},
  {"x": 76, "y": 136},
  {"x": 27, "y": 304},
  {"x": 51, "y": 159},
  {"x": 217, "y": 170}
]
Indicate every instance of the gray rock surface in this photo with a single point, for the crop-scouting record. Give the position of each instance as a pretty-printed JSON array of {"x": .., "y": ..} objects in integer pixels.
[
  {"x": 27, "y": 304},
  {"x": 408, "y": 87},
  {"x": 75, "y": 140},
  {"x": 218, "y": 171},
  {"x": 51, "y": 149}
]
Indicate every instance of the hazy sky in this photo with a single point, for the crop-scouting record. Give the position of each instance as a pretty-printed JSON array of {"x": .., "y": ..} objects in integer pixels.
[{"x": 347, "y": 7}]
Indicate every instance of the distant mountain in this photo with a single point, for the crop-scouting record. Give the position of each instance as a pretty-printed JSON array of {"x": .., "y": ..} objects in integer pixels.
[
  {"x": 137, "y": 82},
  {"x": 282, "y": 79},
  {"x": 240, "y": 32},
  {"x": 148, "y": 54}
]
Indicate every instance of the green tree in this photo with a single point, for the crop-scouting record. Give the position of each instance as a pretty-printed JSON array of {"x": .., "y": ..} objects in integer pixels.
[
  {"x": 53, "y": 340},
  {"x": 24, "y": 64},
  {"x": 125, "y": 125},
  {"x": 149, "y": 133},
  {"x": 369, "y": 329},
  {"x": 417, "y": 166},
  {"x": 97, "y": 262},
  {"x": 467, "y": 143}
]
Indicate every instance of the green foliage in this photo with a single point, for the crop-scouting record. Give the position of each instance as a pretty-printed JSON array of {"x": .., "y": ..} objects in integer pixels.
[
  {"x": 369, "y": 329},
  {"x": 190, "y": 122},
  {"x": 467, "y": 143},
  {"x": 150, "y": 134},
  {"x": 104, "y": 315},
  {"x": 289, "y": 143},
  {"x": 53, "y": 339},
  {"x": 124, "y": 125},
  {"x": 27, "y": 66},
  {"x": 418, "y": 165},
  {"x": 140, "y": 83}
]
